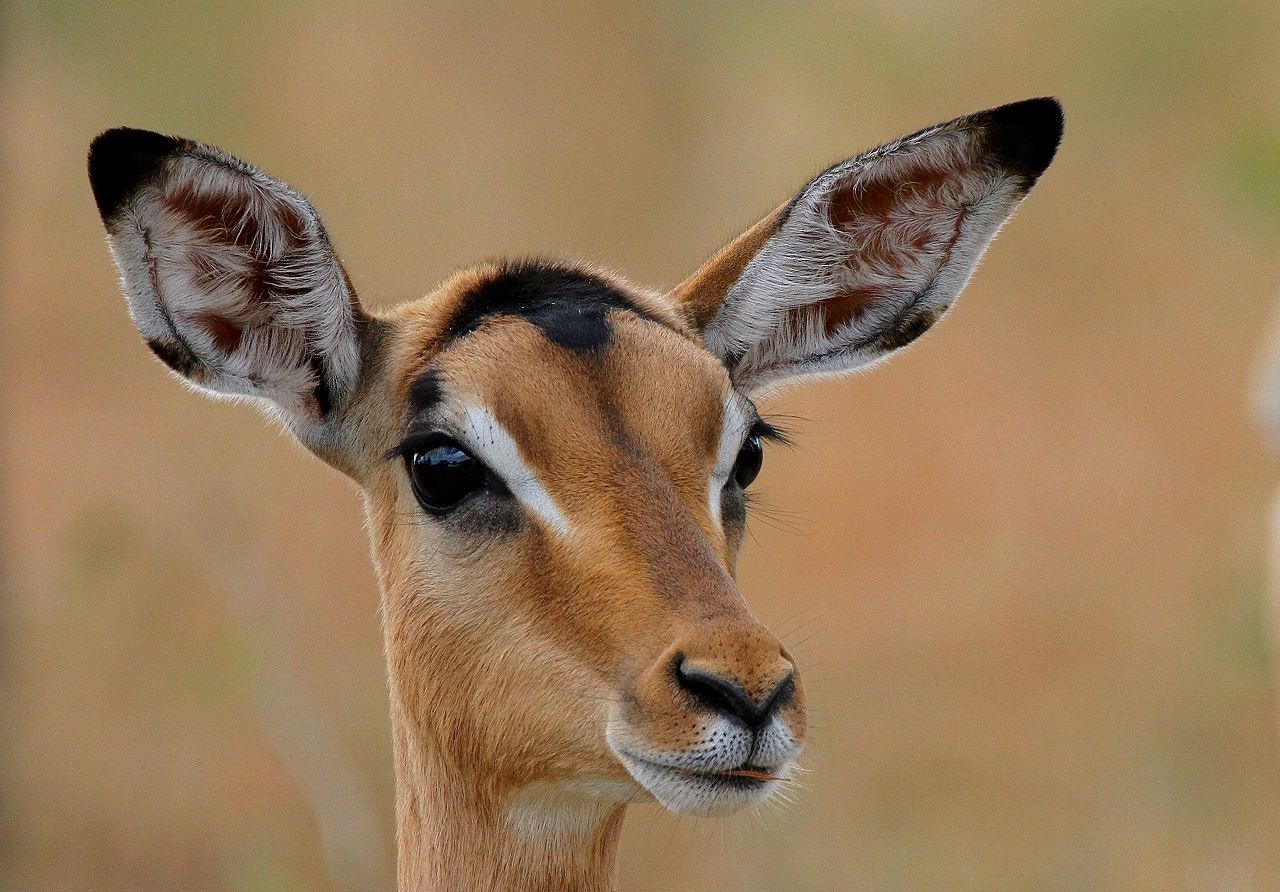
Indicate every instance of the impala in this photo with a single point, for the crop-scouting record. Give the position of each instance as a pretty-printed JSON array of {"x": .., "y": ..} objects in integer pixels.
[{"x": 554, "y": 463}]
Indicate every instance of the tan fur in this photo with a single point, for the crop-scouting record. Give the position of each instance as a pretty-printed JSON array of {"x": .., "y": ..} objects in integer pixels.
[
  {"x": 556, "y": 633},
  {"x": 548, "y": 670}
]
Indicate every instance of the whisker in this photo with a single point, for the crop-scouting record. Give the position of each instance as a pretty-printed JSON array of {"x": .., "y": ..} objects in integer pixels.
[
  {"x": 795, "y": 616},
  {"x": 777, "y": 629},
  {"x": 810, "y": 621},
  {"x": 804, "y": 640}
]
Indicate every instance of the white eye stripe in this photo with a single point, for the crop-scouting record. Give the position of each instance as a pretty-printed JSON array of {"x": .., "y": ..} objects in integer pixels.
[
  {"x": 733, "y": 431},
  {"x": 490, "y": 442},
  {"x": 485, "y": 437}
]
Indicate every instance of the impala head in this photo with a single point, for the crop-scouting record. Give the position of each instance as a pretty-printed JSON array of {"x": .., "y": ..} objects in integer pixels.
[{"x": 555, "y": 460}]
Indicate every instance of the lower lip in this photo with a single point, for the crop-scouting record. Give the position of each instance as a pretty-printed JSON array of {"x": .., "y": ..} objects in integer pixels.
[{"x": 742, "y": 779}]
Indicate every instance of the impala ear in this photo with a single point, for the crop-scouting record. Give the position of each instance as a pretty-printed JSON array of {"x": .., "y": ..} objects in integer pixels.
[
  {"x": 229, "y": 275},
  {"x": 872, "y": 252}
]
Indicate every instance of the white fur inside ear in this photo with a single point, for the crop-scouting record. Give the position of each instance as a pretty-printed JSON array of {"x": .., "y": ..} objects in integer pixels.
[
  {"x": 230, "y": 277},
  {"x": 834, "y": 288}
]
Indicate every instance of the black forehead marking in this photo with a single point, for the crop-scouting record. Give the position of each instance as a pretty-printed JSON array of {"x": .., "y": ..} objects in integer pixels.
[
  {"x": 570, "y": 306},
  {"x": 424, "y": 393}
]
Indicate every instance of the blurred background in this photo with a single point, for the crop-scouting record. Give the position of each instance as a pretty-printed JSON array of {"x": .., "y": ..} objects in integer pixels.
[{"x": 1023, "y": 565}]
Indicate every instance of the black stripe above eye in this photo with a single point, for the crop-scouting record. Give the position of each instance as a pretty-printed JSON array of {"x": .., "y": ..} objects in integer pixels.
[{"x": 425, "y": 392}]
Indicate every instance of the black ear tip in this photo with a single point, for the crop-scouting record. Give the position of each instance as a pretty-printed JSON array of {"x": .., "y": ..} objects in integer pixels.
[
  {"x": 1024, "y": 135},
  {"x": 122, "y": 160}
]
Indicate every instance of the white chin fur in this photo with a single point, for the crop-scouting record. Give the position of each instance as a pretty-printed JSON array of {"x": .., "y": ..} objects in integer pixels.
[
  {"x": 692, "y": 781},
  {"x": 690, "y": 793}
]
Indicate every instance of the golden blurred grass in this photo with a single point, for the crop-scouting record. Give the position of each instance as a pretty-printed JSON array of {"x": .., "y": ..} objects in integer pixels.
[{"x": 1022, "y": 564}]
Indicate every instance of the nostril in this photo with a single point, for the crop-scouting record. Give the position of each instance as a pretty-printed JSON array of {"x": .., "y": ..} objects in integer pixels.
[{"x": 719, "y": 694}]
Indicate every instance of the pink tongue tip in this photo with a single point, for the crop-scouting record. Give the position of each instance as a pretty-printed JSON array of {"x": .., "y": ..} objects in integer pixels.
[{"x": 756, "y": 775}]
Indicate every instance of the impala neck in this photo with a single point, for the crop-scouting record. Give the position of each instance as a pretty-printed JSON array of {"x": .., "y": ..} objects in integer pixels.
[{"x": 459, "y": 833}]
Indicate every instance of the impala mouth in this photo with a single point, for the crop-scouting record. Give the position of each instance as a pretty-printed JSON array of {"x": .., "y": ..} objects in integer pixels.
[
  {"x": 729, "y": 769},
  {"x": 694, "y": 792}
]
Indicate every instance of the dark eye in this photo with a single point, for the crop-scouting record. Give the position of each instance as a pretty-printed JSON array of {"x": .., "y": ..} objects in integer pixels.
[
  {"x": 747, "y": 466},
  {"x": 443, "y": 476}
]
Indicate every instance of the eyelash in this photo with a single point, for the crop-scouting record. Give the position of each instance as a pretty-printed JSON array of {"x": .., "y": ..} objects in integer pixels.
[
  {"x": 769, "y": 432},
  {"x": 417, "y": 442}
]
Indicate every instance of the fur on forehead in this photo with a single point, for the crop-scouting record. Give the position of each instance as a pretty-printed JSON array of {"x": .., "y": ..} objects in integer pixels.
[
  {"x": 511, "y": 357},
  {"x": 534, "y": 289},
  {"x": 650, "y": 389}
]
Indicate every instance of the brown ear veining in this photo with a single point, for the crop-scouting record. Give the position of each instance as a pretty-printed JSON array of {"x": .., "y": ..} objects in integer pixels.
[
  {"x": 229, "y": 274},
  {"x": 872, "y": 251}
]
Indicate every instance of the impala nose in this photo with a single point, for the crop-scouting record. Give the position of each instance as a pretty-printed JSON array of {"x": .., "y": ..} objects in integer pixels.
[{"x": 718, "y": 693}]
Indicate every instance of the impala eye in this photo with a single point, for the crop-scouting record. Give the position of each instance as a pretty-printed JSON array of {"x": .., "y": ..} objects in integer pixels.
[
  {"x": 747, "y": 466},
  {"x": 443, "y": 476}
]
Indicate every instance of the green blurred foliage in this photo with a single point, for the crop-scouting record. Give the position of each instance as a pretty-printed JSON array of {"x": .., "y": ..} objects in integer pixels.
[{"x": 1252, "y": 178}]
